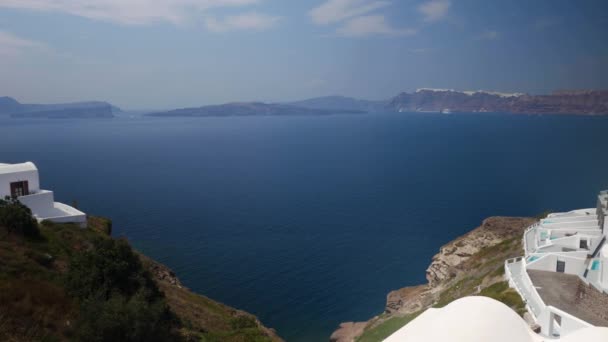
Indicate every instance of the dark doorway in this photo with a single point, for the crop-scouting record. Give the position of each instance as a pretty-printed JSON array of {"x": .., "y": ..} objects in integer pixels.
[
  {"x": 584, "y": 245},
  {"x": 19, "y": 188},
  {"x": 561, "y": 266}
]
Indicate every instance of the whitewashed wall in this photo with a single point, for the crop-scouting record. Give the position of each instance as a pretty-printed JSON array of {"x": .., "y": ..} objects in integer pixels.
[
  {"x": 575, "y": 266},
  {"x": 30, "y": 176},
  {"x": 40, "y": 203}
]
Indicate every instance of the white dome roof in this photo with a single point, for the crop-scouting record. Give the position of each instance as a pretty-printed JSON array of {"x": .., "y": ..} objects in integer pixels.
[{"x": 469, "y": 319}]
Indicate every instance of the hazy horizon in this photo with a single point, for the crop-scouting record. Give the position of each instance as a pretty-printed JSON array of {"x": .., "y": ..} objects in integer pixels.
[{"x": 170, "y": 54}]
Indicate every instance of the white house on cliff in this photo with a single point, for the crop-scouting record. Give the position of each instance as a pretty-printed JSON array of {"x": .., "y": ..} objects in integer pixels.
[
  {"x": 23, "y": 182},
  {"x": 562, "y": 278}
]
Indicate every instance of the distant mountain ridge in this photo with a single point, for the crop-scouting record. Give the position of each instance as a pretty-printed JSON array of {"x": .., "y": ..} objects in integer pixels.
[
  {"x": 91, "y": 109},
  {"x": 249, "y": 109},
  {"x": 589, "y": 102},
  {"x": 581, "y": 102}
]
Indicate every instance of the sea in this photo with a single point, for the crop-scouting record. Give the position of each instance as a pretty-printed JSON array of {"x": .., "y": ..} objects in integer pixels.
[{"x": 309, "y": 221}]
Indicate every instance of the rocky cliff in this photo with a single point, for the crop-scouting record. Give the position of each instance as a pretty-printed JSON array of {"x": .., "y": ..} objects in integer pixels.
[
  {"x": 592, "y": 102},
  {"x": 470, "y": 264}
]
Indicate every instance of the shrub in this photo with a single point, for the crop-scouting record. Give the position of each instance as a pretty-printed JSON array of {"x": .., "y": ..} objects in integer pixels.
[
  {"x": 111, "y": 266},
  {"x": 243, "y": 322},
  {"x": 118, "y": 299},
  {"x": 17, "y": 218},
  {"x": 124, "y": 319},
  {"x": 542, "y": 215}
]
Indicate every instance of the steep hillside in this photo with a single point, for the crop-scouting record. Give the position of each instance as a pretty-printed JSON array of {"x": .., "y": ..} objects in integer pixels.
[
  {"x": 471, "y": 264},
  {"x": 59, "y": 282}
]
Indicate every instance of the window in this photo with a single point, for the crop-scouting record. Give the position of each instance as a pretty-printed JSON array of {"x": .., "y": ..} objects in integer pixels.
[{"x": 19, "y": 189}]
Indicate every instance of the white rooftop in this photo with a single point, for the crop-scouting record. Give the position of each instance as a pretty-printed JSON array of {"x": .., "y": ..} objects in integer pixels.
[
  {"x": 468, "y": 319},
  {"x": 481, "y": 319},
  {"x": 13, "y": 168}
]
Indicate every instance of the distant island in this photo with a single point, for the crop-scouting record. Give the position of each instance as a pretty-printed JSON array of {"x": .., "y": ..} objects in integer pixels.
[
  {"x": 252, "y": 108},
  {"x": 92, "y": 109},
  {"x": 423, "y": 100}
]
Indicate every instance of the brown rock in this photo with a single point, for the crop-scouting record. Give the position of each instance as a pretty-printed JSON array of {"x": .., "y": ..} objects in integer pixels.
[{"x": 348, "y": 332}]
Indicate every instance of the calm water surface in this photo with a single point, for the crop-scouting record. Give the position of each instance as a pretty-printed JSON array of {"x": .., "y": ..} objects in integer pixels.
[{"x": 310, "y": 221}]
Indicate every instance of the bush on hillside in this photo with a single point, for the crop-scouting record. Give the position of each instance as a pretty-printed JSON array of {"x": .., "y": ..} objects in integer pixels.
[
  {"x": 118, "y": 299},
  {"x": 17, "y": 218},
  {"x": 121, "y": 318}
]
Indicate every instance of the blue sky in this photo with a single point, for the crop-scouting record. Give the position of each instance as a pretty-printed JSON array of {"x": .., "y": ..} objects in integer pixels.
[{"x": 177, "y": 53}]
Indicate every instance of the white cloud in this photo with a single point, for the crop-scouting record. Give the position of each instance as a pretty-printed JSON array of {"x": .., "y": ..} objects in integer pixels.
[
  {"x": 370, "y": 25},
  {"x": 129, "y": 12},
  {"x": 357, "y": 18},
  {"x": 434, "y": 10},
  {"x": 12, "y": 45},
  {"x": 245, "y": 21},
  {"x": 333, "y": 11},
  {"x": 488, "y": 35}
]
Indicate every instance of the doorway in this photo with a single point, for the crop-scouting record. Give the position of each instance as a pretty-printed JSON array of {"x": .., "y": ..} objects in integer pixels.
[{"x": 561, "y": 266}]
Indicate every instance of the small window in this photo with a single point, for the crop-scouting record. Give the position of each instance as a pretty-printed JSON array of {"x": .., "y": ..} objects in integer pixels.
[
  {"x": 19, "y": 189},
  {"x": 583, "y": 244}
]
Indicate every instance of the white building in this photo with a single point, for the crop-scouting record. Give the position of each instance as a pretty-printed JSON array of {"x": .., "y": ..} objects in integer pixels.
[
  {"x": 563, "y": 275},
  {"x": 481, "y": 319},
  {"x": 22, "y": 181},
  {"x": 562, "y": 278}
]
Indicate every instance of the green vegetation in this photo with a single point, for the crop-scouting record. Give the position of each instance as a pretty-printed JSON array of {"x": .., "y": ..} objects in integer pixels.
[
  {"x": 109, "y": 281},
  {"x": 59, "y": 282},
  {"x": 386, "y": 328},
  {"x": 17, "y": 218},
  {"x": 543, "y": 215},
  {"x": 503, "y": 293}
]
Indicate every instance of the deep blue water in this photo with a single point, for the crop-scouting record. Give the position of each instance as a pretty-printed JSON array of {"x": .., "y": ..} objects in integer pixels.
[{"x": 310, "y": 221}]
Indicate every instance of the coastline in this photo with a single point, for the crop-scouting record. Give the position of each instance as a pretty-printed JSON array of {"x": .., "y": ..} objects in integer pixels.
[{"x": 470, "y": 264}]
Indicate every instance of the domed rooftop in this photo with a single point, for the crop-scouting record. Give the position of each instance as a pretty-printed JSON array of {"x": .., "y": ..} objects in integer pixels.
[{"x": 469, "y": 319}]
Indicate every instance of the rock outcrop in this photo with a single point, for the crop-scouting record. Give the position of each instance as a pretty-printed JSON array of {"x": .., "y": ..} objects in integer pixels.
[
  {"x": 348, "y": 331},
  {"x": 462, "y": 267}
]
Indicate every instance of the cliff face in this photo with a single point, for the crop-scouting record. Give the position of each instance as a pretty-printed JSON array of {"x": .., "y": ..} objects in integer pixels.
[
  {"x": 468, "y": 265},
  {"x": 564, "y": 102}
]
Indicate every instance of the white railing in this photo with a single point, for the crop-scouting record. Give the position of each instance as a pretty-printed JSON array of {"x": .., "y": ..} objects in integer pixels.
[
  {"x": 522, "y": 283},
  {"x": 532, "y": 227}
]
